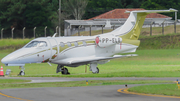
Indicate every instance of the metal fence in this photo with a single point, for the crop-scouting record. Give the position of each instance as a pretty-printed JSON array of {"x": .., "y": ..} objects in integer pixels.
[
  {"x": 148, "y": 30},
  {"x": 27, "y": 33},
  {"x": 160, "y": 29}
]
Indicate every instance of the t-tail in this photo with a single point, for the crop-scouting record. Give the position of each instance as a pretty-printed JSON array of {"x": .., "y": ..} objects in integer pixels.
[
  {"x": 130, "y": 31},
  {"x": 133, "y": 25}
]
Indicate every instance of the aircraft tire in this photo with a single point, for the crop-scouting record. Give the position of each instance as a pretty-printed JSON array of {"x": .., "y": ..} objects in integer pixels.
[
  {"x": 21, "y": 73},
  {"x": 65, "y": 71},
  {"x": 96, "y": 71}
]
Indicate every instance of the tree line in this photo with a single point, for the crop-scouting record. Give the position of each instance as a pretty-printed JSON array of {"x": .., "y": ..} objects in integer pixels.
[{"x": 40, "y": 13}]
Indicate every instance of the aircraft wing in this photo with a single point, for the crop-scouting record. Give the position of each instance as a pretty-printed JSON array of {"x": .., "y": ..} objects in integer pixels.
[{"x": 71, "y": 61}]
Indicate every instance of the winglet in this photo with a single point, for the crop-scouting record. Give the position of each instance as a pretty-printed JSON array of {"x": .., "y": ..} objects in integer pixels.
[{"x": 153, "y": 11}]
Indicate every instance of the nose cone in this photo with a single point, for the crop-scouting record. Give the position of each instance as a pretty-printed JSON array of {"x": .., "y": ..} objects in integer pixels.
[
  {"x": 21, "y": 56},
  {"x": 10, "y": 58},
  {"x": 4, "y": 60}
]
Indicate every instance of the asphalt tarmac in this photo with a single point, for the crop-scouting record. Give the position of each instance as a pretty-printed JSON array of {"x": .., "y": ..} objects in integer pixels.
[{"x": 89, "y": 93}]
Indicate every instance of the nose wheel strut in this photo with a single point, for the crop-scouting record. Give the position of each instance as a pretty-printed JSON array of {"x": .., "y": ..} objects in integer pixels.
[{"x": 22, "y": 71}]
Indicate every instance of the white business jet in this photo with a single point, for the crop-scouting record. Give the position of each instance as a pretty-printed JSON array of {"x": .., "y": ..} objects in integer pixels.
[{"x": 83, "y": 50}]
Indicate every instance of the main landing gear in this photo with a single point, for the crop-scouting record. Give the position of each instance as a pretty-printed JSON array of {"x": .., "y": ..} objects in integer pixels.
[
  {"x": 22, "y": 71},
  {"x": 62, "y": 69},
  {"x": 94, "y": 68}
]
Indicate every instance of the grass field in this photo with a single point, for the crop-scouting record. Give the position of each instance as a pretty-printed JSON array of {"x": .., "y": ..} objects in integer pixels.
[
  {"x": 9, "y": 45},
  {"x": 13, "y": 42},
  {"x": 5, "y": 85},
  {"x": 149, "y": 63},
  {"x": 162, "y": 60},
  {"x": 160, "y": 89},
  {"x": 6, "y": 81}
]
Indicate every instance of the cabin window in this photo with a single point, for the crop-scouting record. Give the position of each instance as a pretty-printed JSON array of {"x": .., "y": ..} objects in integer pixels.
[
  {"x": 75, "y": 44},
  {"x": 37, "y": 44},
  {"x": 61, "y": 44},
  {"x": 69, "y": 44},
  {"x": 84, "y": 43}
]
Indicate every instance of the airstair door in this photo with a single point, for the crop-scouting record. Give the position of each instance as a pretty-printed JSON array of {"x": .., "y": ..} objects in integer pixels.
[{"x": 54, "y": 48}]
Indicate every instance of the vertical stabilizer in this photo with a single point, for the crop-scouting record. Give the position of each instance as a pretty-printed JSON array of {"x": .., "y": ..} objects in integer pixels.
[{"x": 133, "y": 25}]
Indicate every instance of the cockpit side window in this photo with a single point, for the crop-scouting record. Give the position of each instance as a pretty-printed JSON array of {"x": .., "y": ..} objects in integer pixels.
[
  {"x": 42, "y": 44},
  {"x": 32, "y": 44},
  {"x": 37, "y": 44}
]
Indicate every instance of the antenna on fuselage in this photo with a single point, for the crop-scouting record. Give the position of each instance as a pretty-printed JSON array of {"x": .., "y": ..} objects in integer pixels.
[{"x": 54, "y": 34}]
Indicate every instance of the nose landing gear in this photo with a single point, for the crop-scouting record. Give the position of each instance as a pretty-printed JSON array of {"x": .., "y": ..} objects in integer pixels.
[{"x": 22, "y": 71}]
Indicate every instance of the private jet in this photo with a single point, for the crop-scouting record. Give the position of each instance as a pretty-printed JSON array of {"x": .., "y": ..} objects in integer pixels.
[{"x": 83, "y": 50}]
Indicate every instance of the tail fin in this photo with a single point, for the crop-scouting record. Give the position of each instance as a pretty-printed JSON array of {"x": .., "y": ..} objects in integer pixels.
[{"x": 133, "y": 25}]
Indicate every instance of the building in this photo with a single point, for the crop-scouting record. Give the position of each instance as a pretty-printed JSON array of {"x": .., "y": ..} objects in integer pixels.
[{"x": 111, "y": 19}]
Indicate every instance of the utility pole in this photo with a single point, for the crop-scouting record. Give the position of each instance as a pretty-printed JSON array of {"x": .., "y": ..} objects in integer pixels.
[
  {"x": 102, "y": 28},
  {"x": 163, "y": 28},
  {"x": 23, "y": 31},
  {"x": 175, "y": 22},
  {"x": 59, "y": 17},
  {"x": 151, "y": 29},
  {"x": 2, "y": 33},
  {"x": 45, "y": 31},
  {"x": 56, "y": 29},
  {"x": 90, "y": 30},
  {"x": 34, "y": 32},
  {"x": 12, "y": 32},
  {"x": 78, "y": 30}
]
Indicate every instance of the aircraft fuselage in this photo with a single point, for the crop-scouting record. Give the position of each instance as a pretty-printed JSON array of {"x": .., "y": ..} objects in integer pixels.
[{"x": 60, "y": 48}]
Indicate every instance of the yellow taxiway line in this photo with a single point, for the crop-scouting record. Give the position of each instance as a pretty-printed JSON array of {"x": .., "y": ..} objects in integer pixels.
[
  {"x": 125, "y": 90},
  {"x": 14, "y": 97}
]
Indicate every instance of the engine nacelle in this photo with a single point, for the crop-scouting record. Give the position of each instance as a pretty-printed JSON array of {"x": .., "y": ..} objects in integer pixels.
[{"x": 107, "y": 41}]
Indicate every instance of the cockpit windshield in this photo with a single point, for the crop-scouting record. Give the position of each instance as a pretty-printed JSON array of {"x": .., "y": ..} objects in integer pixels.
[{"x": 37, "y": 44}]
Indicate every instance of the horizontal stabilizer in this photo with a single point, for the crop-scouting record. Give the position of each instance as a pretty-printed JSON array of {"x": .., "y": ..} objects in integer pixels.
[{"x": 153, "y": 11}]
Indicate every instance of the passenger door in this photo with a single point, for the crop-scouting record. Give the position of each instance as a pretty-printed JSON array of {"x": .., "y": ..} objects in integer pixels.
[
  {"x": 43, "y": 52},
  {"x": 54, "y": 49}
]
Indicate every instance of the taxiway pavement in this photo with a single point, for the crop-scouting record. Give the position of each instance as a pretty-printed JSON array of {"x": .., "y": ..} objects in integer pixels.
[{"x": 89, "y": 93}]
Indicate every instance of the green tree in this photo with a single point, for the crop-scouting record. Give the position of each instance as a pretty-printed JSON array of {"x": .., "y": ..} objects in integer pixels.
[
  {"x": 36, "y": 15},
  {"x": 97, "y": 7},
  {"x": 161, "y": 4},
  {"x": 10, "y": 13},
  {"x": 21, "y": 13},
  {"x": 74, "y": 8},
  {"x": 27, "y": 13}
]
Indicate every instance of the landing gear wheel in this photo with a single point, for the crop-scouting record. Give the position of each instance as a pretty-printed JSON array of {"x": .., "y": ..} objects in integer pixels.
[
  {"x": 21, "y": 73},
  {"x": 65, "y": 71},
  {"x": 96, "y": 71}
]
